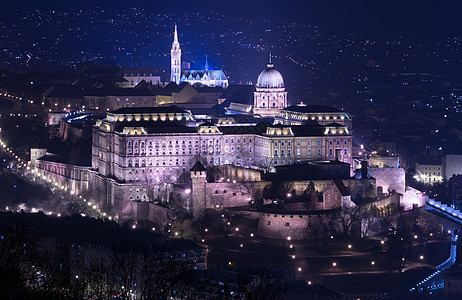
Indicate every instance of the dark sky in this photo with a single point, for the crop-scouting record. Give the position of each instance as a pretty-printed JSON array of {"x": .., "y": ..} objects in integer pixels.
[{"x": 359, "y": 16}]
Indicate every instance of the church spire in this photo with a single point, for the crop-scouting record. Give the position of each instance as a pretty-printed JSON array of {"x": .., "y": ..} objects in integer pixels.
[
  {"x": 175, "y": 59},
  {"x": 206, "y": 64},
  {"x": 175, "y": 37}
]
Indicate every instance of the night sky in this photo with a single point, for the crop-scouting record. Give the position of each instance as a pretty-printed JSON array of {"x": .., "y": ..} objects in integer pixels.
[{"x": 390, "y": 17}]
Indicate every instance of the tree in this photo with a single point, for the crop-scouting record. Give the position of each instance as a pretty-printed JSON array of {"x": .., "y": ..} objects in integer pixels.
[
  {"x": 260, "y": 286},
  {"x": 278, "y": 189},
  {"x": 315, "y": 228},
  {"x": 348, "y": 217},
  {"x": 254, "y": 191}
]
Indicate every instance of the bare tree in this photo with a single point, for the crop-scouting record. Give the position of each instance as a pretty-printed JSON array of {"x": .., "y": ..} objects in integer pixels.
[{"x": 260, "y": 286}]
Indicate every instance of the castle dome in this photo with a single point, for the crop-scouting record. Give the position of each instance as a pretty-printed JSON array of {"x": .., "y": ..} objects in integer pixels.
[{"x": 270, "y": 78}]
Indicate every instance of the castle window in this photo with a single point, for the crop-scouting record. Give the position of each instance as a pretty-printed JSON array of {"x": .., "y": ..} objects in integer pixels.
[
  {"x": 244, "y": 140},
  {"x": 301, "y": 217},
  {"x": 319, "y": 151},
  {"x": 238, "y": 140},
  {"x": 268, "y": 223},
  {"x": 275, "y": 143},
  {"x": 338, "y": 142},
  {"x": 232, "y": 149},
  {"x": 226, "y": 140},
  {"x": 250, "y": 149},
  {"x": 345, "y": 151},
  {"x": 330, "y": 142},
  {"x": 282, "y": 143},
  {"x": 250, "y": 140},
  {"x": 287, "y": 224},
  {"x": 275, "y": 152},
  {"x": 330, "y": 151},
  {"x": 344, "y": 142},
  {"x": 289, "y": 152},
  {"x": 319, "y": 143}
]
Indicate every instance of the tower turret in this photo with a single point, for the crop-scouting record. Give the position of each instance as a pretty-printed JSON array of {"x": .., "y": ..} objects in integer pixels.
[{"x": 198, "y": 178}]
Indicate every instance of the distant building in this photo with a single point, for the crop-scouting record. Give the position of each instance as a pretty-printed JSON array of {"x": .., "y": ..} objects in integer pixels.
[
  {"x": 429, "y": 170},
  {"x": 203, "y": 77},
  {"x": 452, "y": 165},
  {"x": 133, "y": 80}
]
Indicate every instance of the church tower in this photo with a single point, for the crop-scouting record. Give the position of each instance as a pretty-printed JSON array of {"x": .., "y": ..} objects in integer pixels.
[{"x": 175, "y": 57}]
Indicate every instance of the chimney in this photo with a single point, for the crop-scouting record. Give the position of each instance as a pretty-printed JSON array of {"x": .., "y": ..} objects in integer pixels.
[
  {"x": 364, "y": 169},
  {"x": 337, "y": 154}
]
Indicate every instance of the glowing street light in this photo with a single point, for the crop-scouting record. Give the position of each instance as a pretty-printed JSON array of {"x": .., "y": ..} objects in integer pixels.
[{"x": 334, "y": 264}]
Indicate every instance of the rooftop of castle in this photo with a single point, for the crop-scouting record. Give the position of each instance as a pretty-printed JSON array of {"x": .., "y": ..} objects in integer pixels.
[
  {"x": 313, "y": 109},
  {"x": 144, "y": 110}
]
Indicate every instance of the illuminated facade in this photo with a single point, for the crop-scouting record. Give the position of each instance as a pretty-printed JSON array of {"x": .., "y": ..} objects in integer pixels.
[
  {"x": 429, "y": 171},
  {"x": 136, "y": 149},
  {"x": 270, "y": 96},
  {"x": 204, "y": 77}
]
